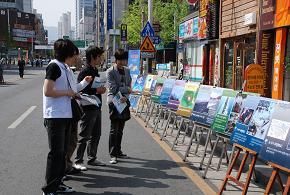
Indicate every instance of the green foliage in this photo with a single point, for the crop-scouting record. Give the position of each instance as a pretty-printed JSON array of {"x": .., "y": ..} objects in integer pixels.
[{"x": 164, "y": 13}]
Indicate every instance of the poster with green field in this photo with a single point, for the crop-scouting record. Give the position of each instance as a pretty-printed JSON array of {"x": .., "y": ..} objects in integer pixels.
[{"x": 224, "y": 110}]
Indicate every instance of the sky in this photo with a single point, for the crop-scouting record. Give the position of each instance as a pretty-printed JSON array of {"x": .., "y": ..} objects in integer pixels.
[{"x": 51, "y": 10}]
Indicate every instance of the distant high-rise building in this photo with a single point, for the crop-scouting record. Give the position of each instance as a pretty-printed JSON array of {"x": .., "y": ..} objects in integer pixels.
[
  {"x": 27, "y": 6},
  {"x": 64, "y": 25},
  {"x": 85, "y": 22}
]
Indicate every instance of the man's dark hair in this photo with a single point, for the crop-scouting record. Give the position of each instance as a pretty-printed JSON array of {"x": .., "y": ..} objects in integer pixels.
[
  {"x": 64, "y": 49},
  {"x": 121, "y": 54},
  {"x": 93, "y": 52}
]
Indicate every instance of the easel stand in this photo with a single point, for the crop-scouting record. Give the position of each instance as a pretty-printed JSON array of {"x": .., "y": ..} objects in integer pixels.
[
  {"x": 225, "y": 141},
  {"x": 236, "y": 179},
  {"x": 275, "y": 174}
]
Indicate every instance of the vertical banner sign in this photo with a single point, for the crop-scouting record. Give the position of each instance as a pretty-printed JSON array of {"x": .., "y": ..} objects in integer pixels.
[
  {"x": 276, "y": 148},
  {"x": 265, "y": 58},
  {"x": 267, "y": 14},
  {"x": 123, "y": 32},
  {"x": 206, "y": 104},
  {"x": 134, "y": 61},
  {"x": 255, "y": 77},
  {"x": 202, "y": 19},
  {"x": 213, "y": 25},
  {"x": 282, "y": 17},
  {"x": 109, "y": 14},
  {"x": 277, "y": 91},
  {"x": 188, "y": 99},
  {"x": 102, "y": 28},
  {"x": 176, "y": 94}
]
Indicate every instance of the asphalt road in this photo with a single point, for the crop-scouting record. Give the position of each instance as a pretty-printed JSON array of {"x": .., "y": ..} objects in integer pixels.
[{"x": 23, "y": 150}]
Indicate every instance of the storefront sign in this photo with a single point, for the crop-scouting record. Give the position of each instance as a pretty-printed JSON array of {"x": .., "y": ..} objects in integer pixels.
[
  {"x": 188, "y": 29},
  {"x": 163, "y": 66},
  {"x": 277, "y": 90},
  {"x": 202, "y": 28},
  {"x": 265, "y": 58},
  {"x": 282, "y": 17},
  {"x": 267, "y": 14},
  {"x": 213, "y": 19},
  {"x": 255, "y": 77}
]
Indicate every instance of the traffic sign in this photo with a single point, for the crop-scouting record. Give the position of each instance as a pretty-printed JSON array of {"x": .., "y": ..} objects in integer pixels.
[
  {"x": 147, "y": 30},
  {"x": 147, "y": 55},
  {"x": 156, "y": 27},
  {"x": 156, "y": 40},
  {"x": 147, "y": 45},
  {"x": 124, "y": 32}
]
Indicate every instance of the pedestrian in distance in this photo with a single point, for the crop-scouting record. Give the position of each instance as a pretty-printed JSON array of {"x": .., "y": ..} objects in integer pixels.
[
  {"x": 1, "y": 71},
  {"x": 90, "y": 123},
  {"x": 58, "y": 89},
  {"x": 21, "y": 65},
  {"x": 118, "y": 80}
]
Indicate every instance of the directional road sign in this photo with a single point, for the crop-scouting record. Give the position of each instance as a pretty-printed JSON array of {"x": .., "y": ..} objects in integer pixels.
[
  {"x": 147, "y": 30},
  {"x": 156, "y": 40}
]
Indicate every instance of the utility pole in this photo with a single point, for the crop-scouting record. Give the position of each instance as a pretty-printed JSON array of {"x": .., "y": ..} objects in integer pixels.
[
  {"x": 114, "y": 26},
  {"x": 150, "y": 11}
]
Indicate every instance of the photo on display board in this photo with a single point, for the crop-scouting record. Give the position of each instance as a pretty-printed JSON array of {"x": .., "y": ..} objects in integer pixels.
[
  {"x": 158, "y": 89},
  {"x": 214, "y": 101},
  {"x": 201, "y": 104},
  {"x": 139, "y": 84},
  {"x": 153, "y": 85},
  {"x": 176, "y": 94},
  {"x": 279, "y": 130},
  {"x": 246, "y": 116},
  {"x": 261, "y": 120}
]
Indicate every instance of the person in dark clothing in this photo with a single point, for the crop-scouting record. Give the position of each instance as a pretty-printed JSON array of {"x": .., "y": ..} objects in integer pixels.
[
  {"x": 119, "y": 80},
  {"x": 90, "y": 123},
  {"x": 21, "y": 65}
]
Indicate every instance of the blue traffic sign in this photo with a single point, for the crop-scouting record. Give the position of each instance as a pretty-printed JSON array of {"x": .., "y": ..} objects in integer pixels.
[
  {"x": 156, "y": 40},
  {"x": 148, "y": 30}
]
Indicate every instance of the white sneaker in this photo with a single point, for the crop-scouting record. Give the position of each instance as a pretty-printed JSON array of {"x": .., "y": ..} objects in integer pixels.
[
  {"x": 113, "y": 160},
  {"x": 80, "y": 167}
]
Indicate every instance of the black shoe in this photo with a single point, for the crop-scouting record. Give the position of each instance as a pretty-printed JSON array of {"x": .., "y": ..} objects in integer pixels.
[
  {"x": 122, "y": 155},
  {"x": 96, "y": 163},
  {"x": 62, "y": 188},
  {"x": 66, "y": 178},
  {"x": 74, "y": 171},
  {"x": 49, "y": 193}
]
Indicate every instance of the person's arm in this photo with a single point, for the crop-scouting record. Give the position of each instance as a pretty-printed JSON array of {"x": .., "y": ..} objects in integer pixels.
[
  {"x": 112, "y": 85},
  {"x": 49, "y": 90}
]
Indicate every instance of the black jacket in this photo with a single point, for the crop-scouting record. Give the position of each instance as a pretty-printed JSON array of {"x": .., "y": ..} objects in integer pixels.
[{"x": 89, "y": 71}]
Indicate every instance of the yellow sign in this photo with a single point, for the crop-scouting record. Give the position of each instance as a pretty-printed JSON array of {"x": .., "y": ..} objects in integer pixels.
[
  {"x": 255, "y": 76},
  {"x": 147, "y": 45}
]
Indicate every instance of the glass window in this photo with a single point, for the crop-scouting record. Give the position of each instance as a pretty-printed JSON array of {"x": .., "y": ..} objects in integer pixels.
[{"x": 228, "y": 64}]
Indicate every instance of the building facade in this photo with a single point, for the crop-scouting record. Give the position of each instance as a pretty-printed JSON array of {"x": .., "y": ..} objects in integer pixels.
[{"x": 64, "y": 25}]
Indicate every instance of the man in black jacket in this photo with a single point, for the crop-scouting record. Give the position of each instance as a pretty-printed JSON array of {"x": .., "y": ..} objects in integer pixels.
[{"x": 90, "y": 124}]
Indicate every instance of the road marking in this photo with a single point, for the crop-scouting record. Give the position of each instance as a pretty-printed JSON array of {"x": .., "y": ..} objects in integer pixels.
[
  {"x": 191, "y": 174},
  {"x": 21, "y": 118}
]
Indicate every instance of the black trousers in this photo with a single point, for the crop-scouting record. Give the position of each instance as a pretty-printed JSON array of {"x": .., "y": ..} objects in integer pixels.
[
  {"x": 89, "y": 136},
  {"x": 58, "y": 131},
  {"x": 21, "y": 72},
  {"x": 115, "y": 138},
  {"x": 73, "y": 140}
]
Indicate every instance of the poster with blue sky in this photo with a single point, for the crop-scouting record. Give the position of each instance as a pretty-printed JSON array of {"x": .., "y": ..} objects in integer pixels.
[
  {"x": 139, "y": 84},
  {"x": 176, "y": 94},
  {"x": 206, "y": 104},
  {"x": 276, "y": 148},
  {"x": 167, "y": 88}
]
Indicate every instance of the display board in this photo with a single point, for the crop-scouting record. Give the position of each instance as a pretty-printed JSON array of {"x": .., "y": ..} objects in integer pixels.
[
  {"x": 167, "y": 88},
  {"x": 157, "y": 90},
  {"x": 276, "y": 147},
  {"x": 139, "y": 84},
  {"x": 224, "y": 111},
  {"x": 176, "y": 94},
  {"x": 253, "y": 123},
  {"x": 134, "y": 78},
  {"x": 206, "y": 104},
  {"x": 188, "y": 99},
  {"x": 148, "y": 84},
  {"x": 134, "y": 99}
]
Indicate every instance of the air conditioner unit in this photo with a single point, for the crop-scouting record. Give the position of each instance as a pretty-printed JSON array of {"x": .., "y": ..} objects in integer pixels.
[{"x": 250, "y": 19}]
